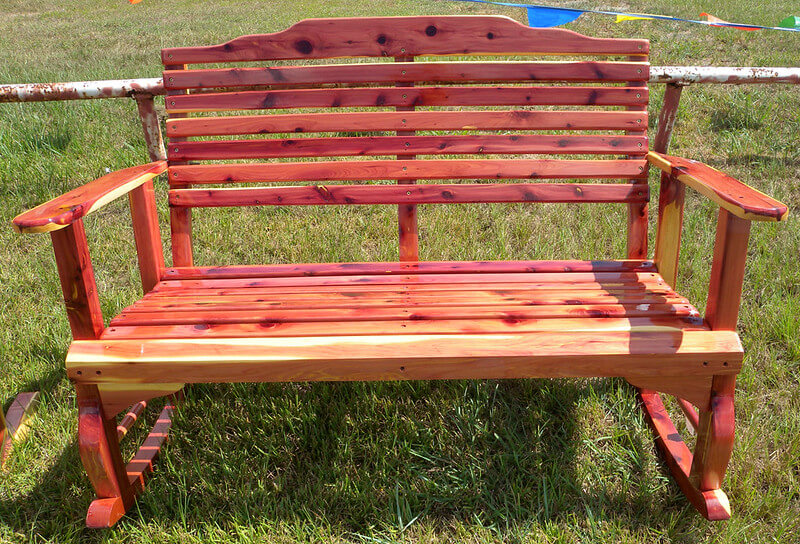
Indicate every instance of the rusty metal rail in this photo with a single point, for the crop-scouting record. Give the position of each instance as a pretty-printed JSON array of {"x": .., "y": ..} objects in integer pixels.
[{"x": 143, "y": 90}]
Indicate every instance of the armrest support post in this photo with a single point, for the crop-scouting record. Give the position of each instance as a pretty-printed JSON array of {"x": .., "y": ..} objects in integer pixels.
[
  {"x": 670, "y": 226},
  {"x": 77, "y": 281},
  {"x": 727, "y": 271},
  {"x": 147, "y": 234}
]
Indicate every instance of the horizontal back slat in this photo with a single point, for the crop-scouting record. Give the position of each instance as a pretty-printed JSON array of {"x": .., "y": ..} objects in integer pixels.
[
  {"x": 416, "y": 120},
  {"x": 408, "y": 169},
  {"x": 421, "y": 145},
  {"x": 417, "y": 96},
  {"x": 404, "y": 72},
  {"x": 403, "y": 36},
  {"x": 409, "y": 194}
]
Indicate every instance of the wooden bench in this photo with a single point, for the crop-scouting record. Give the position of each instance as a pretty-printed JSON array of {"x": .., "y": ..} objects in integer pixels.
[{"x": 539, "y": 120}]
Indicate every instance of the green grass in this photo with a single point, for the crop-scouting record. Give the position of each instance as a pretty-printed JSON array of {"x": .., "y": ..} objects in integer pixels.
[{"x": 511, "y": 461}]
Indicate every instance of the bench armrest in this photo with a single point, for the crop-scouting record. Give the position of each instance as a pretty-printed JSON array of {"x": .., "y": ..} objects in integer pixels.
[
  {"x": 71, "y": 206},
  {"x": 731, "y": 194}
]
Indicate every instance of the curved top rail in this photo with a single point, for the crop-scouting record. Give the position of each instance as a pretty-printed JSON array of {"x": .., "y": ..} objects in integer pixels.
[{"x": 401, "y": 37}]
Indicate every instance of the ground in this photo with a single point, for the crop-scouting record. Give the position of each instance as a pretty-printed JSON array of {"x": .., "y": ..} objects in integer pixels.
[{"x": 511, "y": 461}]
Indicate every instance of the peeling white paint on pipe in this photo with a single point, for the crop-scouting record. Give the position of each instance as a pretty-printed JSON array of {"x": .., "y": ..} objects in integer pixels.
[
  {"x": 80, "y": 90},
  {"x": 684, "y": 75}
]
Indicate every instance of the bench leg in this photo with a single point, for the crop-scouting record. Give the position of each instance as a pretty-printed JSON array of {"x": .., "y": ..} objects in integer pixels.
[
  {"x": 699, "y": 475},
  {"x": 116, "y": 485}
]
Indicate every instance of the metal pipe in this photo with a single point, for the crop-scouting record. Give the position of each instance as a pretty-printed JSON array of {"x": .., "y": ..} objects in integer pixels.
[
  {"x": 151, "y": 126},
  {"x": 666, "y": 117},
  {"x": 80, "y": 90},
  {"x": 684, "y": 75}
]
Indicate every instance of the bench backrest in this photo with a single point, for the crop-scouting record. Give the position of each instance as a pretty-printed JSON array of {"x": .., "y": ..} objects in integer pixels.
[{"x": 361, "y": 120}]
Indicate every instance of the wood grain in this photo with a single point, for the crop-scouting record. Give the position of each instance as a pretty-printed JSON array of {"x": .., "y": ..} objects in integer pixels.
[
  {"x": 398, "y": 36},
  {"x": 429, "y": 72},
  {"x": 359, "y": 121},
  {"x": 63, "y": 210},
  {"x": 487, "y": 144},
  {"x": 365, "y": 170},
  {"x": 401, "y": 327},
  {"x": 416, "y": 96},
  {"x": 408, "y": 194},
  {"x": 731, "y": 194},
  {"x": 268, "y": 317},
  {"x": 77, "y": 281},
  {"x": 460, "y": 356},
  {"x": 420, "y": 267},
  {"x": 671, "y": 198}
]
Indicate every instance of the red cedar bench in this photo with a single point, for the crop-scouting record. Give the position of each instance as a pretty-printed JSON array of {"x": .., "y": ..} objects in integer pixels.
[{"x": 407, "y": 319}]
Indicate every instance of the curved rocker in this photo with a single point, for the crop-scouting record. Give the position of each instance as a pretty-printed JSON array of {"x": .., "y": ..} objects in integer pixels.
[
  {"x": 698, "y": 475},
  {"x": 116, "y": 484}
]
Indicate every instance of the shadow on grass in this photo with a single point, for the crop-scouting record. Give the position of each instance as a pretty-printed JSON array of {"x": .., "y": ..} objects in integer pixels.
[{"x": 371, "y": 458}]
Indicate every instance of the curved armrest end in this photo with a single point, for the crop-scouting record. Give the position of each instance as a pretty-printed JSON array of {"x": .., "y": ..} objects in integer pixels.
[
  {"x": 733, "y": 195},
  {"x": 81, "y": 201}
]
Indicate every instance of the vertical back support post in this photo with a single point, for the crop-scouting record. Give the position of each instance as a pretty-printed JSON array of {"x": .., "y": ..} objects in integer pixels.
[
  {"x": 637, "y": 211},
  {"x": 407, "y": 227},
  {"x": 180, "y": 218},
  {"x": 667, "y": 116}
]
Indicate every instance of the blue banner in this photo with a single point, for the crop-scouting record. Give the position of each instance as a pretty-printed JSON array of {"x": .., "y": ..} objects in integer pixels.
[{"x": 547, "y": 17}]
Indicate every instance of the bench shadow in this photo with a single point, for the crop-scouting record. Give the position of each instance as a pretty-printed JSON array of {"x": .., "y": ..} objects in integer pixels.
[{"x": 365, "y": 457}]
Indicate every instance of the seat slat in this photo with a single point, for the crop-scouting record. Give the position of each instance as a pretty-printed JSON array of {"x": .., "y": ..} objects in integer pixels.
[
  {"x": 408, "y": 194},
  {"x": 417, "y": 120},
  {"x": 393, "y": 268},
  {"x": 405, "y": 72},
  {"x": 356, "y": 300},
  {"x": 267, "y": 315},
  {"x": 225, "y": 282},
  {"x": 409, "y": 96},
  {"x": 405, "y": 169},
  {"x": 442, "y": 326},
  {"x": 408, "y": 302},
  {"x": 422, "y": 145},
  {"x": 402, "y": 289},
  {"x": 511, "y": 355},
  {"x": 403, "y": 36}
]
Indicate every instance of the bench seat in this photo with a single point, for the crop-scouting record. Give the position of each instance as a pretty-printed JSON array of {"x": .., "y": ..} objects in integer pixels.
[
  {"x": 408, "y": 123},
  {"x": 378, "y": 321}
]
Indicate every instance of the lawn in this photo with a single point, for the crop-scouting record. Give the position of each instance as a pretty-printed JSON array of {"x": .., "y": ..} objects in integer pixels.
[{"x": 510, "y": 461}]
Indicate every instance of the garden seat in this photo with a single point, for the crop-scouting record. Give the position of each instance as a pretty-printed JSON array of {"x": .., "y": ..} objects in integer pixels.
[{"x": 403, "y": 133}]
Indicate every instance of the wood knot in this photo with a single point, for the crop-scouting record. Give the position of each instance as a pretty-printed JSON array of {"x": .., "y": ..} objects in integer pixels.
[{"x": 303, "y": 46}]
